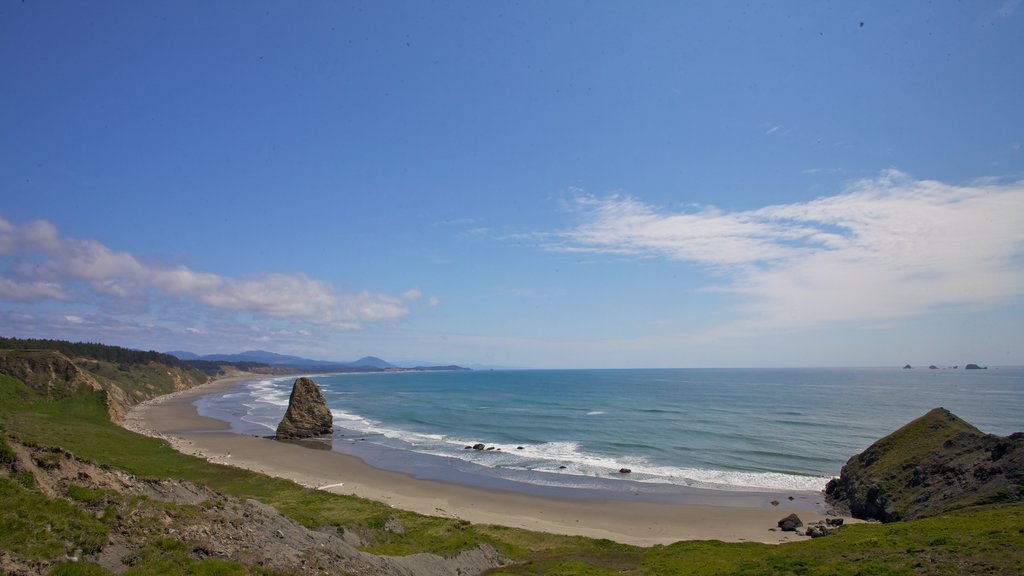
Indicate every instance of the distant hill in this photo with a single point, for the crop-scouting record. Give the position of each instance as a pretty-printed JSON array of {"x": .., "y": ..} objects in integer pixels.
[
  {"x": 282, "y": 361},
  {"x": 373, "y": 362},
  {"x": 262, "y": 356}
]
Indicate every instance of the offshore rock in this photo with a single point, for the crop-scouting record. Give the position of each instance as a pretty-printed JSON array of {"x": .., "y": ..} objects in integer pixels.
[
  {"x": 307, "y": 414},
  {"x": 934, "y": 464}
]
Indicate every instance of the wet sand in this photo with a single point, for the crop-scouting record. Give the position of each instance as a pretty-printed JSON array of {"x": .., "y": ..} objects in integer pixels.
[{"x": 731, "y": 518}]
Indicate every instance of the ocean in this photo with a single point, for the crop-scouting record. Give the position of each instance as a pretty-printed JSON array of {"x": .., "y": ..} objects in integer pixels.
[{"x": 754, "y": 430}]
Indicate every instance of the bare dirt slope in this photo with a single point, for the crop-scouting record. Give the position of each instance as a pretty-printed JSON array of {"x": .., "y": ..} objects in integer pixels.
[{"x": 210, "y": 524}]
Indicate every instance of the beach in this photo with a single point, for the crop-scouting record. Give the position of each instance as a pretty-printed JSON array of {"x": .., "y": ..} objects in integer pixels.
[{"x": 731, "y": 518}]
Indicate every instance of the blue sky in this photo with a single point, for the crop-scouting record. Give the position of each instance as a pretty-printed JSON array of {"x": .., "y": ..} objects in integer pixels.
[{"x": 535, "y": 184}]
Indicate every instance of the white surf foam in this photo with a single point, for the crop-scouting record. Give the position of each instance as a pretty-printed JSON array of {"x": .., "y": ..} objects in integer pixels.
[{"x": 568, "y": 458}]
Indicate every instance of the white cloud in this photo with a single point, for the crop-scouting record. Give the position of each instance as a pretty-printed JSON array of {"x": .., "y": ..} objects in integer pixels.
[
  {"x": 30, "y": 291},
  {"x": 883, "y": 249},
  {"x": 43, "y": 266},
  {"x": 623, "y": 225}
]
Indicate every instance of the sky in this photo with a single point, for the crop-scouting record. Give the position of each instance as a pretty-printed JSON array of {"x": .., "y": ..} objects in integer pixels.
[{"x": 518, "y": 184}]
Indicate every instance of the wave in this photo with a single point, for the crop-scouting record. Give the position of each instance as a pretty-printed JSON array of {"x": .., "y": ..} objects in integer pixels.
[{"x": 572, "y": 461}]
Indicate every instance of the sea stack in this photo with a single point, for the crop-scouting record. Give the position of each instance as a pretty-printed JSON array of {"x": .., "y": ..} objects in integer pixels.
[{"x": 307, "y": 414}]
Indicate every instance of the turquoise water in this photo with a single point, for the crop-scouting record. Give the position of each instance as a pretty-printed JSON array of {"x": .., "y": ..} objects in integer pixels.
[{"x": 733, "y": 429}]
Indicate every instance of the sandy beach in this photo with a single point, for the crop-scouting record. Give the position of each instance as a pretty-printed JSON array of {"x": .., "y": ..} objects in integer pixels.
[{"x": 174, "y": 418}]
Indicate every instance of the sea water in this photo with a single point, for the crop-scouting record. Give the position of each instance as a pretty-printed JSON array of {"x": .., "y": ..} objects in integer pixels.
[{"x": 725, "y": 429}]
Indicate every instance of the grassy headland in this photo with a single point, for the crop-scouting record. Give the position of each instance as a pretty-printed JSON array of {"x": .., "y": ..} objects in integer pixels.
[{"x": 39, "y": 531}]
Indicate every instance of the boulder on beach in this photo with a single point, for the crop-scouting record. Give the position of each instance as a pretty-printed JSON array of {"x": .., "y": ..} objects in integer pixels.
[
  {"x": 790, "y": 523},
  {"x": 826, "y": 527},
  {"x": 307, "y": 415}
]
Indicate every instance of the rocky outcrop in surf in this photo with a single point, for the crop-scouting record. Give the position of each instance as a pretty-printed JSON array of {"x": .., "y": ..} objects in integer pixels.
[
  {"x": 307, "y": 415},
  {"x": 932, "y": 465}
]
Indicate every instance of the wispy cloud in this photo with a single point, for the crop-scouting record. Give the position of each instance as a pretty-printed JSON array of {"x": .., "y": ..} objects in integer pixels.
[
  {"x": 1007, "y": 8},
  {"x": 883, "y": 249},
  {"x": 1004, "y": 12},
  {"x": 37, "y": 264}
]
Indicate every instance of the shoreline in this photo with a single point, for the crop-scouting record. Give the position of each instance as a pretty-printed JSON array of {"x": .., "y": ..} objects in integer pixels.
[{"x": 729, "y": 517}]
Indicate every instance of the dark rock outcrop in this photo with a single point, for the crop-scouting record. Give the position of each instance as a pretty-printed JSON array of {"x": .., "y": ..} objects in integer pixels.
[
  {"x": 307, "y": 415},
  {"x": 934, "y": 464}
]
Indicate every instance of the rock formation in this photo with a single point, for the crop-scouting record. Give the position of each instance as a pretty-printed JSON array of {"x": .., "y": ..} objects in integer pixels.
[
  {"x": 933, "y": 464},
  {"x": 307, "y": 414}
]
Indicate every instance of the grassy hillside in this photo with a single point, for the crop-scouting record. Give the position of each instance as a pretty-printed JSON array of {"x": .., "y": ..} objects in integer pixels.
[
  {"x": 936, "y": 463},
  {"x": 126, "y": 377},
  {"x": 980, "y": 540}
]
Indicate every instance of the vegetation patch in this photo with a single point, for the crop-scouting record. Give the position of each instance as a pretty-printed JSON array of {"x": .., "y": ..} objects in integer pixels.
[{"x": 38, "y": 528}]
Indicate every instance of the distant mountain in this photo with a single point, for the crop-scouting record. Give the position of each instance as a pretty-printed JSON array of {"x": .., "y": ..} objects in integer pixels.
[
  {"x": 271, "y": 358},
  {"x": 261, "y": 356},
  {"x": 364, "y": 364},
  {"x": 373, "y": 362}
]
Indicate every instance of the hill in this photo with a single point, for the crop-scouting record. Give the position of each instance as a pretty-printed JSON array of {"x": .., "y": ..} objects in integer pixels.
[
  {"x": 261, "y": 356},
  {"x": 283, "y": 362},
  {"x": 932, "y": 465},
  {"x": 58, "y": 369},
  {"x": 373, "y": 362}
]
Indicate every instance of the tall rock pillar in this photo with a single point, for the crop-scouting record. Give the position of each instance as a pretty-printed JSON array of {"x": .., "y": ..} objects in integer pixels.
[{"x": 307, "y": 414}]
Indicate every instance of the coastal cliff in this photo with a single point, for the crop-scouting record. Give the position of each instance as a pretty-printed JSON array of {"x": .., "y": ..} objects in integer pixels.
[
  {"x": 932, "y": 465},
  {"x": 124, "y": 384},
  {"x": 54, "y": 375},
  {"x": 307, "y": 414}
]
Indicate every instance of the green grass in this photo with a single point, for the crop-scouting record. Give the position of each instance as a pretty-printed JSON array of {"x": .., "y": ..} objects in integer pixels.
[
  {"x": 981, "y": 540},
  {"x": 166, "y": 557},
  {"x": 989, "y": 541},
  {"x": 79, "y": 424},
  {"x": 34, "y": 526}
]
